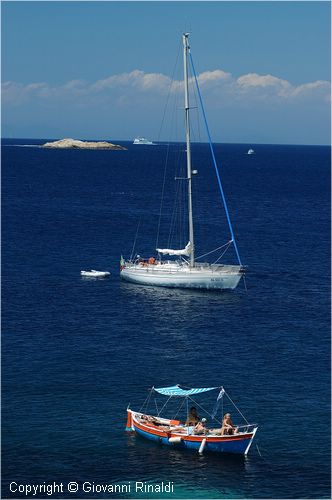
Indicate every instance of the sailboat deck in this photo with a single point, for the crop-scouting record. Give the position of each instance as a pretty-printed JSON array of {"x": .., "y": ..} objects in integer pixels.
[{"x": 180, "y": 266}]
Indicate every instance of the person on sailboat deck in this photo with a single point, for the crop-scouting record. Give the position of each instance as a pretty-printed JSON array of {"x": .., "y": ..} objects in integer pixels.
[{"x": 193, "y": 417}]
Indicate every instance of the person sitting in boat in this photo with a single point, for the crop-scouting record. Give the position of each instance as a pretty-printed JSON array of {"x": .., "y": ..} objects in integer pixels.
[
  {"x": 152, "y": 260},
  {"x": 227, "y": 425},
  {"x": 200, "y": 428},
  {"x": 193, "y": 417},
  {"x": 154, "y": 421},
  {"x": 150, "y": 419}
]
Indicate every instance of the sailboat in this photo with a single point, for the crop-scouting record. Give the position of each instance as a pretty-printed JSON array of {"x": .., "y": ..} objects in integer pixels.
[
  {"x": 186, "y": 434},
  {"x": 184, "y": 270}
]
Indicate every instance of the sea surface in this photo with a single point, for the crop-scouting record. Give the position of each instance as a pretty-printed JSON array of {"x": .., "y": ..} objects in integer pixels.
[{"x": 76, "y": 352}]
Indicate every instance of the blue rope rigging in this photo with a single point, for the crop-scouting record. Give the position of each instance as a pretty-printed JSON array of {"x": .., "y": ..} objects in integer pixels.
[{"x": 215, "y": 162}]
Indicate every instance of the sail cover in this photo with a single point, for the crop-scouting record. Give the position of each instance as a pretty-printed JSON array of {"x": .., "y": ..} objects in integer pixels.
[
  {"x": 169, "y": 251},
  {"x": 175, "y": 390}
]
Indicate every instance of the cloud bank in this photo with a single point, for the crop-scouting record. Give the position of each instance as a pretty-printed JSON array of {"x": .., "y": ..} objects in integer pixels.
[
  {"x": 137, "y": 85},
  {"x": 248, "y": 108}
]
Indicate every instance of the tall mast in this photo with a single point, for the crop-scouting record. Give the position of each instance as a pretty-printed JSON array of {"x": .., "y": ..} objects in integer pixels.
[{"x": 186, "y": 49}]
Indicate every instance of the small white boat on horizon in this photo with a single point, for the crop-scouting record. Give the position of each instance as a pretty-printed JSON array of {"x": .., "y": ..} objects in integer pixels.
[
  {"x": 251, "y": 152},
  {"x": 95, "y": 274},
  {"x": 143, "y": 141}
]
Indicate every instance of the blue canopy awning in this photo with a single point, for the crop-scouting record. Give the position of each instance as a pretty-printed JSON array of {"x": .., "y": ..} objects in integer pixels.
[{"x": 176, "y": 390}]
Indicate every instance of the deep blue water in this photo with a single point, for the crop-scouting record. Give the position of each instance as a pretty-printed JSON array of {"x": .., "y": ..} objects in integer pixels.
[{"x": 75, "y": 352}]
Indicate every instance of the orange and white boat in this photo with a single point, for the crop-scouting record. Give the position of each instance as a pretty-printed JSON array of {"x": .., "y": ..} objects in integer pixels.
[{"x": 173, "y": 432}]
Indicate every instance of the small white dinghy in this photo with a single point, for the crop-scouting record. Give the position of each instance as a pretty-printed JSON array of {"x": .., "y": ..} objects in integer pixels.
[{"x": 95, "y": 274}]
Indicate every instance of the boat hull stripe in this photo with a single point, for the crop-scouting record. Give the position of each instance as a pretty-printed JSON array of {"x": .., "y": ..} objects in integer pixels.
[{"x": 223, "y": 444}]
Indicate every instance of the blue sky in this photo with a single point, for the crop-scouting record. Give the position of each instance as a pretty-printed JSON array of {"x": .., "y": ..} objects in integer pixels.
[{"x": 102, "y": 69}]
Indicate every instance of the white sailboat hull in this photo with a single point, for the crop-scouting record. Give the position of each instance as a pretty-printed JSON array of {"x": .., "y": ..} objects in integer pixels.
[{"x": 203, "y": 277}]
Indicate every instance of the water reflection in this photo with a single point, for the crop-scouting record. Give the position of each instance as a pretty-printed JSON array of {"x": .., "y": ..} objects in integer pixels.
[
  {"x": 182, "y": 295},
  {"x": 216, "y": 476}
]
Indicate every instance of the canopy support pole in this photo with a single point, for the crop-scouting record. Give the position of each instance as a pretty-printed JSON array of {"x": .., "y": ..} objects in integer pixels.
[{"x": 187, "y": 404}]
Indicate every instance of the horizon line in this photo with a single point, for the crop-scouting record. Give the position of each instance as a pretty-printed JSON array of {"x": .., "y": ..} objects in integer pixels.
[{"x": 172, "y": 142}]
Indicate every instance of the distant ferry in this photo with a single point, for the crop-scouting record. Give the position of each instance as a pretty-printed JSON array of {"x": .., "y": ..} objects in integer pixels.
[
  {"x": 143, "y": 141},
  {"x": 251, "y": 152}
]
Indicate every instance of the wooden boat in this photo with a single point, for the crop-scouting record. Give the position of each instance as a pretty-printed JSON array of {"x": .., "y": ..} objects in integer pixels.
[{"x": 174, "y": 433}]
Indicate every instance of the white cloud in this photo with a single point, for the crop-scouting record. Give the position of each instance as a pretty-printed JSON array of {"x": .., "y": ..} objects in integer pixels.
[
  {"x": 215, "y": 77},
  {"x": 154, "y": 81},
  {"x": 136, "y": 78},
  {"x": 262, "y": 87},
  {"x": 319, "y": 87},
  {"x": 17, "y": 93},
  {"x": 255, "y": 80},
  {"x": 74, "y": 84},
  {"x": 272, "y": 85},
  {"x": 138, "y": 85}
]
